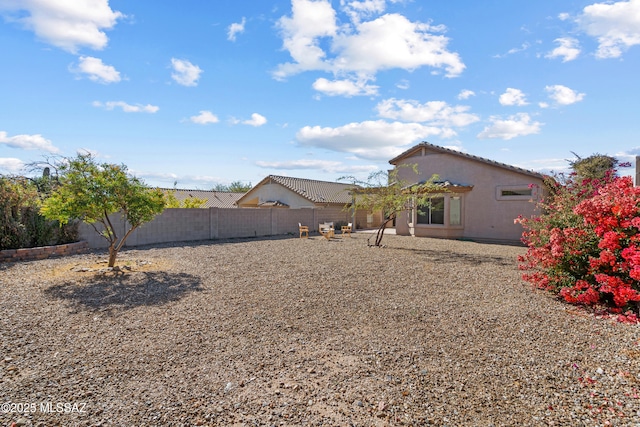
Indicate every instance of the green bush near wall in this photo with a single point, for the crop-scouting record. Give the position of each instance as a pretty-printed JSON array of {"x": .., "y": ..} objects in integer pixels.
[{"x": 21, "y": 225}]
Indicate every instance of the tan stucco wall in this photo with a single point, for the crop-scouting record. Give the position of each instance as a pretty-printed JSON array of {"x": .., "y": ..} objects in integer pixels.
[
  {"x": 484, "y": 216},
  {"x": 274, "y": 191}
]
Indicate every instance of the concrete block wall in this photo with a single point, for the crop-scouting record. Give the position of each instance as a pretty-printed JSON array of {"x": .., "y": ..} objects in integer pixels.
[
  {"x": 177, "y": 225},
  {"x": 174, "y": 225},
  {"x": 243, "y": 223}
]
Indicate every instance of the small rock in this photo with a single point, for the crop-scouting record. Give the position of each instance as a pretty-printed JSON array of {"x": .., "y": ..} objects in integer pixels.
[{"x": 358, "y": 403}]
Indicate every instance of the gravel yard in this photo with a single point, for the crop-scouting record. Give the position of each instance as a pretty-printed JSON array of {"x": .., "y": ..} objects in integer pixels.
[{"x": 306, "y": 332}]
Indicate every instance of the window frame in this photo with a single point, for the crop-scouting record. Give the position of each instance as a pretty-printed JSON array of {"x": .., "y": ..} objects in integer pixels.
[
  {"x": 527, "y": 188},
  {"x": 447, "y": 213},
  {"x": 430, "y": 212}
]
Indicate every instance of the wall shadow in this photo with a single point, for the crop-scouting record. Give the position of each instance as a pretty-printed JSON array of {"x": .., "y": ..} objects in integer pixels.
[{"x": 121, "y": 292}]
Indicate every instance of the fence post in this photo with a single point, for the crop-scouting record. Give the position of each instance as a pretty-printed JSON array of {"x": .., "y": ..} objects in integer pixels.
[{"x": 213, "y": 223}]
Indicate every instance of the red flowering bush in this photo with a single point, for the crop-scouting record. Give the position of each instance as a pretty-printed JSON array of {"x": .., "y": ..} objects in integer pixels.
[{"x": 585, "y": 245}]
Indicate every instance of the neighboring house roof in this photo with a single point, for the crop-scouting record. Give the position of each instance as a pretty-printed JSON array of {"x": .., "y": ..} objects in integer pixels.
[
  {"x": 425, "y": 145},
  {"x": 312, "y": 190},
  {"x": 214, "y": 199}
]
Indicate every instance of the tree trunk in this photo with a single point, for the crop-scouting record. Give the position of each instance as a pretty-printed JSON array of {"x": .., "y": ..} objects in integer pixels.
[
  {"x": 380, "y": 233},
  {"x": 113, "y": 253}
]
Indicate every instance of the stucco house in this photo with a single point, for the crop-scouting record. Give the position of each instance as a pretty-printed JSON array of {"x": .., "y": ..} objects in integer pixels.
[
  {"x": 328, "y": 198},
  {"x": 482, "y": 200}
]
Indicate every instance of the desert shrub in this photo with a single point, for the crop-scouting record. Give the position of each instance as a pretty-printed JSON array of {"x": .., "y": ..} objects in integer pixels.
[
  {"x": 585, "y": 245},
  {"x": 16, "y": 196},
  {"x": 21, "y": 225}
]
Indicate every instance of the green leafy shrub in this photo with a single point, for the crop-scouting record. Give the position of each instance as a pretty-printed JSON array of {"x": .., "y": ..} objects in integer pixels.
[{"x": 21, "y": 225}]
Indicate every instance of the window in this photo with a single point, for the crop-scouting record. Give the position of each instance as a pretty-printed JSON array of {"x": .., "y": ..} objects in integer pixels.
[
  {"x": 433, "y": 213},
  {"x": 455, "y": 210},
  {"x": 516, "y": 192},
  {"x": 443, "y": 211}
]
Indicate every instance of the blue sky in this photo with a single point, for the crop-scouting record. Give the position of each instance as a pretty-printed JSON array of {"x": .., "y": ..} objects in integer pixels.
[{"x": 209, "y": 92}]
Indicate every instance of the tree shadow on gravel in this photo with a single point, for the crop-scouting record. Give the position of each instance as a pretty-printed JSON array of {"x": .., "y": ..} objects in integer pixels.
[
  {"x": 448, "y": 256},
  {"x": 113, "y": 293}
]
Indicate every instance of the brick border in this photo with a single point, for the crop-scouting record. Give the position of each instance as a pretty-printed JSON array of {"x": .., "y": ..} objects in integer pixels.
[{"x": 29, "y": 254}]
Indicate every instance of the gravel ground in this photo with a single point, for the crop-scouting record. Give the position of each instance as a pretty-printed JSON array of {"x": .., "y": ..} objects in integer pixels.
[{"x": 306, "y": 332}]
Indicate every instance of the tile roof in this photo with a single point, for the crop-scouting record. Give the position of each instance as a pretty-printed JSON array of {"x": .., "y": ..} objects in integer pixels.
[
  {"x": 417, "y": 148},
  {"x": 214, "y": 199},
  {"x": 313, "y": 190}
]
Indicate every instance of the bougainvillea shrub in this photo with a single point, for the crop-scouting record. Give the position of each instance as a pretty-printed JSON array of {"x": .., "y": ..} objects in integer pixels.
[{"x": 585, "y": 244}]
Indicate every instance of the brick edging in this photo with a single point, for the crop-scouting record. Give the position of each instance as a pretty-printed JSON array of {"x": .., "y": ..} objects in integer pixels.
[{"x": 42, "y": 252}]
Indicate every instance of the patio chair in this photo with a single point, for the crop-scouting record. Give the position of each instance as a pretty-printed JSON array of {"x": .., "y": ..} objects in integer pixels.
[
  {"x": 304, "y": 229},
  {"x": 326, "y": 230},
  {"x": 346, "y": 229}
]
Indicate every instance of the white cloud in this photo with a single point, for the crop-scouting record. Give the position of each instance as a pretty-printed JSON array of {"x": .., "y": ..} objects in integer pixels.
[
  {"x": 27, "y": 142},
  {"x": 183, "y": 181},
  {"x": 127, "y": 108},
  {"x": 359, "y": 49},
  {"x": 323, "y": 165},
  {"x": 256, "y": 120},
  {"x": 11, "y": 164},
  {"x": 546, "y": 166},
  {"x": 563, "y": 95},
  {"x": 514, "y": 50},
  {"x": 628, "y": 156},
  {"x": 379, "y": 140},
  {"x": 568, "y": 49},
  {"x": 616, "y": 26},
  {"x": 204, "y": 118},
  {"x": 437, "y": 113},
  {"x": 358, "y": 10},
  {"x": 96, "y": 70},
  {"x": 513, "y": 97},
  {"x": 65, "y": 24},
  {"x": 346, "y": 88},
  {"x": 310, "y": 21},
  {"x": 466, "y": 94},
  {"x": 184, "y": 72},
  {"x": 516, "y": 125},
  {"x": 236, "y": 28},
  {"x": 392, "y": 41},
  {"x": 403, "y": 84}
]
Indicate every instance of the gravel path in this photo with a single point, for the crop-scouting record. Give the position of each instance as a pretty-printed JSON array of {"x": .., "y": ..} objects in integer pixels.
[{"x": 306, "y": 332}]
